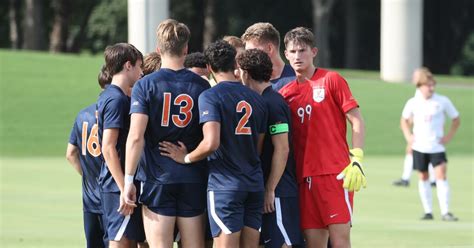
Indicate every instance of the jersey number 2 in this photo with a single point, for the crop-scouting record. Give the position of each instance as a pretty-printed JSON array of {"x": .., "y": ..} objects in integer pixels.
[
  {"x": 183, "y": 110},
  {"x": 91, "y": 143},
  {"x": 241, "y": 129}
]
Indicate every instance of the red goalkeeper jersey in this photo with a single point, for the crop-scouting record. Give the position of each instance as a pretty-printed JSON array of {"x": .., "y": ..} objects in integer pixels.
[{"x": 318, "y": 108}]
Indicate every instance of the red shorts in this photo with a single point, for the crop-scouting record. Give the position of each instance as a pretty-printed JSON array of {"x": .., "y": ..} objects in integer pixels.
[{"x": 323, "y": 201}]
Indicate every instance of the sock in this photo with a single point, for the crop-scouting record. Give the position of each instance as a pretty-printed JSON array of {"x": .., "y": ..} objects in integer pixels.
[
  {"x": 424, "y": 189},
  {"x": 431, "y": 173},
  {"x": 442, "y": 188},
  {"x": 407, "y": 167}
]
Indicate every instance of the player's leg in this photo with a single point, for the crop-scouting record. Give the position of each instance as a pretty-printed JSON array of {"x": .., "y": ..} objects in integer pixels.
[
  {"x": 191, "y": 230},
  {"x": 191, "y": 204},
  {"x": 339, "y": 234},
  {"x": 316, "y": 238},
  {"x": 407, "y": 168},
  {"x": 439, "y": 161},
  {"x": 249, "y": 237},
  {"x": 226, "y": 217},
  {"x": 420, "y": 163},
  {"x": 432, "y": 175},
  {"x": 158, "y": 228},
  {"x": 253, "y": 205}
]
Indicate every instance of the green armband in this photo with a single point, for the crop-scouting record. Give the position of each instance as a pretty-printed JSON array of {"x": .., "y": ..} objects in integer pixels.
[{"x": 279, "y": 128}]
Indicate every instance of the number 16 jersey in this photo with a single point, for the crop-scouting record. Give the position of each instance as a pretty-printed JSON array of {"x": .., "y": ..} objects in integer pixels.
[{"x": 318, "y": 107}]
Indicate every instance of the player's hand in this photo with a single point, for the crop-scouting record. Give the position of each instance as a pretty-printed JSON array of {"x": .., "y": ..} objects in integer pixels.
[
  {"x": 177, "y": 153},
  {"x": 130, "y": 194},
  {"x": 269, "y": 202},
  {"x": 445, "y": 140},
  {"x": 124, "y": 208},
  {"x": 353, "y": 174}
]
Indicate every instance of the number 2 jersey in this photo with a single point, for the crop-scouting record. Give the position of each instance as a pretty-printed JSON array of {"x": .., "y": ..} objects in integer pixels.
[
  {"x": 318, "y": 109},
  {"x": 170, "y": 100},
  {"x": 84, "y": 137},
  {"x": 242, "y": 115}
]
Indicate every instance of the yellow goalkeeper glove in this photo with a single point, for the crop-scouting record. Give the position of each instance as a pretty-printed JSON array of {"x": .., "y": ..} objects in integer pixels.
[{"x": 353, "y": 174}]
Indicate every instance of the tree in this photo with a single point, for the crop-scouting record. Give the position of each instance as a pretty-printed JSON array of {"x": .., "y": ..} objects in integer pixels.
[
  {"x": 14, "y": 20},
  {"x": 59, "y": 34},
  {"x": 321, "y": 16},
  {"x": 34, "y": 27},
  {"x": 210, "y": 23}
]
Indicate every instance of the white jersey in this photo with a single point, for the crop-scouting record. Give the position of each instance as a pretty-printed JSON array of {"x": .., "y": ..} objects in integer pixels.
[{"x": 428, "y": 121}]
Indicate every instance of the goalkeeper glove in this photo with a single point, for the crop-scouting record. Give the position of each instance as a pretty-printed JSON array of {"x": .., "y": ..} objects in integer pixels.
[{"x": 353, "y": 174}]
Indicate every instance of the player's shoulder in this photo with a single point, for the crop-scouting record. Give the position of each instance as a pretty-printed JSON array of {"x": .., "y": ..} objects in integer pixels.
[
  {"x": 441, "y": 98},
  {"x": 289, "y": 88}
]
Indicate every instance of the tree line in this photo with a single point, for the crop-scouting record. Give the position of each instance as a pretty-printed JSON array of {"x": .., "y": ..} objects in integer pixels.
[{"x": 347, "y": 31}]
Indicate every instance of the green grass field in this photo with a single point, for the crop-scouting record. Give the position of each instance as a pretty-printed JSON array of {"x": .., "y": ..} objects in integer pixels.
[{"x": 40, "y": 195}]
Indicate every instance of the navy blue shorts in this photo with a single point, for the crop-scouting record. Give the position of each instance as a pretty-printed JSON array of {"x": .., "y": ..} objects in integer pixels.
[
  {"x": 180, "y": 199},
  {"x": 283, "y": 225},
  {"x": 118, "y": 225},
  {"x": 230, "y": 211},
  {"x": 94, "y": 228}
]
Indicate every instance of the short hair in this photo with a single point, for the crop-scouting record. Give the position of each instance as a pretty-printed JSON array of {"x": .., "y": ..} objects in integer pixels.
[
  {"x": 173, "y": 36},
  {"x": 300, "y": 35},
  {"x": 196, "y": 59},
  {"x": 220, "y": 55},
  {"x": 118, "y": 54},
  {"x": 262, "y": 32},
  {"x": 234, "y": 41},
  {"x": 104, "y": 77},
  {"x": 257, "y": 63},
  {"x": 151, "y": 63},
  {"x": 422, "y": 76}
]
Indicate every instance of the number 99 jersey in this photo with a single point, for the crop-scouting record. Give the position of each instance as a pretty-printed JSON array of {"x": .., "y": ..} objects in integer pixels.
[
  {"x": 84, "y": 136},
  {"x": 242, "y": 115},
  {"x": 318, "y": 110},
  {"x": 169, "y": 98}
]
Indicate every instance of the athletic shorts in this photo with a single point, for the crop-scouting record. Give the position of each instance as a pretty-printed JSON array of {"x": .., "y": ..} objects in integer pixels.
[
  {"x": 323, "y": 201},
  {"x": 422, "y": 160},
  {"x": 283, "y": 225},
  {"x": 230, "y": 211},
  {"x": 180, "y": 199},
  {"x": 94, "y": 228},
  {"x": 130, "y": 226}
]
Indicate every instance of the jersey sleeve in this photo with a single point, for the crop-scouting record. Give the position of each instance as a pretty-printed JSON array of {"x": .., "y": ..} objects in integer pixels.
[
  {"x": 278, "y": 121},
  {"x": 342, "y": 93},
  {"x": 140, "y": 100},
  {"x": 73, "y": 139},
  {"x": 114, "y": 114},
  {"x": 407, "y": 112},
  {"x": 208, "y": 110},
  {"x": 450, "y": 110}
]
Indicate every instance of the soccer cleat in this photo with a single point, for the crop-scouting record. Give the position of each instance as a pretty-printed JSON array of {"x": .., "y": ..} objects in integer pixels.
[
  {"x": 433, "y": 184},
  {"x": 402, "y": 183},
  {"x": 427, "y": 216},
  {"x": 449, "y": 217}
]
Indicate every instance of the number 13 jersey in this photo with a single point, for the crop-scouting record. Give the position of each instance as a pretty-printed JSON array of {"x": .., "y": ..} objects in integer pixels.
[{"x": 318, "y": 107}]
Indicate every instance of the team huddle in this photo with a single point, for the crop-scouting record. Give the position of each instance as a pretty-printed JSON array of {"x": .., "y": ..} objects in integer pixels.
[{"x": 260, "y": 158}]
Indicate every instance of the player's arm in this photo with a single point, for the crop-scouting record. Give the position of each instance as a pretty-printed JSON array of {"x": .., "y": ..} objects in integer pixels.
[
  {"x": 72, "y": 155},
  {"x": 405, "y": 125},
  {"x": 135, "y": 142},
  {"x": 109, "y": 151},
  {"x": 358, "y": 128},
  {"x": 211, "y": 131},
  {"x": 281, "y": 149},
  {"x": 456, "y": 122}
]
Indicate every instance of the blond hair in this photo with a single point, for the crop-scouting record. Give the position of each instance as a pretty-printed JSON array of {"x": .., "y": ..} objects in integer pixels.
[
  {"x": 173, "y": 37},
  {"x": 422, "y": 76},
  {"x": 151, "y": 63},
  {"x": 234, "y": 41},
  {"x": 262, "y": 32}
]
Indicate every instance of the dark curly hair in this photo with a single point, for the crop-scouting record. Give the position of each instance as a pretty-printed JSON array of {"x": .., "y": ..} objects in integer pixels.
[
  {"x": 220, "y": 55},
  {"x": 196, "y": 59},
  {"x": 257, "y": 63}
]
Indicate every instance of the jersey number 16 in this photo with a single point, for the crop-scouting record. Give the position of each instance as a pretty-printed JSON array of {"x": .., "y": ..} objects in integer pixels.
[{"x": 91, "y": 143}]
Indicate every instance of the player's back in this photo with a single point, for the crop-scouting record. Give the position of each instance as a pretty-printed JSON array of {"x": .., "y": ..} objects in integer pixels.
[
  {"x": 113, "y": 108},
  {"x": 170, "y": 98},
  {"x": 85, "y": 137},
  {"x": 242, "y": 116}
]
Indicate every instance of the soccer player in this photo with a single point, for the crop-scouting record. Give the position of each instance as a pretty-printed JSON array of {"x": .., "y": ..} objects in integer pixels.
[
  {"x": 427, "y": 140},
  {"x": 320, "y": 102},
  {"x": 281, "y": 221},
  {"x": 408, "y": 162},
  {"x": 164, "y": 107},
  {"x": 196, "y": 62},
  {"x": 83, "y": 152},
  {"x": 123, "y": 62},
  {"x": 265, "y": 36},
  {"x": 234, "y": 123},
  {"x": 151, "y": 63}
]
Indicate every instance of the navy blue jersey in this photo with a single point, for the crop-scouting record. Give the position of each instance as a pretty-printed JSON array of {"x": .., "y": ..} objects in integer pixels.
[
  {"x": 287, "y": 75},
  {"x": 242, "y": 115},
  {"x": 170, "y": 98},
  {"x": 113, "y": 107},
  {"x": 279, "y": 117},
  {"x": 85, "y": 137}
]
